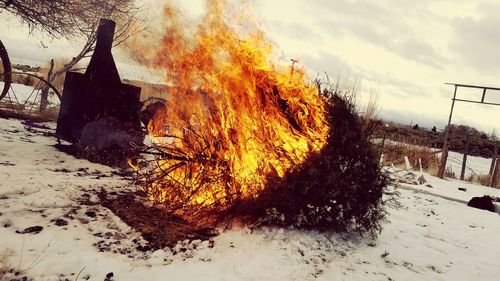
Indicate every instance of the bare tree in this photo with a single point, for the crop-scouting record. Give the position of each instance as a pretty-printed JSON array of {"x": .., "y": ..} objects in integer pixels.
[
  {"x": 68, "y": 18},
  {"x": 75, "y": 19}
]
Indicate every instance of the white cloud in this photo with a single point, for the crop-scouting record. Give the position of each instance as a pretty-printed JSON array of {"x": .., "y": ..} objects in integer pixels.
[{"x": 405, "y": 49}]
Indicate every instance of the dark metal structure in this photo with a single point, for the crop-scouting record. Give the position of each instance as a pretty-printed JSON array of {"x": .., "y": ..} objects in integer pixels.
[
  {"x": 98, "y": 92},
  {"x": 7, "y": 70},
  {"x": 444, "y": 157}
]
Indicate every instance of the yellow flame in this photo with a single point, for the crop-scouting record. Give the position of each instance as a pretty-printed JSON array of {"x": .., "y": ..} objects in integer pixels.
[{"x": 234, "y": 113}]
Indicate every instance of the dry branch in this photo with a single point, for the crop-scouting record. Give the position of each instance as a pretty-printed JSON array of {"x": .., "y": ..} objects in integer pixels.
[{"x": 67, "y": 18}]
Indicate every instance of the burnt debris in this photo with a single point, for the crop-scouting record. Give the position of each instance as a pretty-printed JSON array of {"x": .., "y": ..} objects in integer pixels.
[{"x": 483, "y": 203}]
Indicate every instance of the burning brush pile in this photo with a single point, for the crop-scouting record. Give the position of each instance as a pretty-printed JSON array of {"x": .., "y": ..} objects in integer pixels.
[{"x": 244, "y": 137}]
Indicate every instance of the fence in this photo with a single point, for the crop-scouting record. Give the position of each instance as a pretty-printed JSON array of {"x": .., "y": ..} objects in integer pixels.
[
  {"x": 474, "y": 168},
  {"x": 460, "y": 165}
]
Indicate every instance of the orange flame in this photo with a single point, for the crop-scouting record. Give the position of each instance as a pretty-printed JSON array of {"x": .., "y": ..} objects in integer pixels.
[{"x": 234, "y": 115}]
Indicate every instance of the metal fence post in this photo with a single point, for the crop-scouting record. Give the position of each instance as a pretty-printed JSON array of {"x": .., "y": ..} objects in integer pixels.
[
  {"x": 466, "y": 152},
  {"x": 494, "y": 158},
  {"x": 444, "y": 154}
]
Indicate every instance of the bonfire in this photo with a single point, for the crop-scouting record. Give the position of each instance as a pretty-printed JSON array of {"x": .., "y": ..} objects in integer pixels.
[
  {"x": 237, "y": 119},
  {"x": 233, "y": 116}
]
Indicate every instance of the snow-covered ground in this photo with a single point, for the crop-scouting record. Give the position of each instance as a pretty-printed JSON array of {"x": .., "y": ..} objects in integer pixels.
[{"x": 427, "y": 238}]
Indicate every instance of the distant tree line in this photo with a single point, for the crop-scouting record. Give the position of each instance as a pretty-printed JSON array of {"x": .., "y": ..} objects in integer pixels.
[{"x": 480, "y": 143}]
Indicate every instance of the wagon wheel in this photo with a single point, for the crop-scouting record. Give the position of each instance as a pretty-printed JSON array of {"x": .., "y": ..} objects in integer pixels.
[
  {"x": 27, "y": 102},
  {"x": 5, "y": 71}
]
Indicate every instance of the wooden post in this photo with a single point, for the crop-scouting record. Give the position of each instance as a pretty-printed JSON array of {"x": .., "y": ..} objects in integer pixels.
[
  {"x": 442, "y": 164},
  {"x": 496, "y": 174},
  {"x": 44, "y": 97},
  {"x": 464, "y": 161},
  {"x": 494, "y": 158},
  {"x": 382, "y": 150}
]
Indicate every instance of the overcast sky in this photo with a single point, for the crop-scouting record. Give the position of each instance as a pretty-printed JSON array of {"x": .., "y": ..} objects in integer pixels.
[{"x": 405, "y": 50}]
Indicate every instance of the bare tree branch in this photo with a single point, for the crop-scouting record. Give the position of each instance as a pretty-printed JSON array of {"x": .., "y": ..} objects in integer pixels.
[{"x": 69, "y": 18}]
